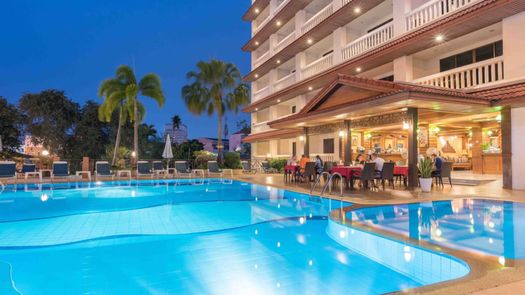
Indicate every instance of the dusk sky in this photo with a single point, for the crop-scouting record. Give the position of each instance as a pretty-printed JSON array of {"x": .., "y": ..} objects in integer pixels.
[{"x": 73, "y": 45}]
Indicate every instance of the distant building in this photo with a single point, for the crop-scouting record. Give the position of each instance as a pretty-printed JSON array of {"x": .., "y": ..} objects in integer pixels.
[
  {"x": 178, "y": 135},
  {"x": 32, "y": 149},
  {"x": 236, "y": 144},
  {"x": 210, "y": 144}
]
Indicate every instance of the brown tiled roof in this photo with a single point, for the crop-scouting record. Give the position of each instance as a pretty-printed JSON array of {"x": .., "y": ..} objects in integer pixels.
[{"x": 502, "y": 92}]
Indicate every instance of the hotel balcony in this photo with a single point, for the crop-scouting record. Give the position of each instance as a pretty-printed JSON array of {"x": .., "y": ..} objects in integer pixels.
[
  {"x": 433, "y": 10},
  {"x": 469, "y": 76}
]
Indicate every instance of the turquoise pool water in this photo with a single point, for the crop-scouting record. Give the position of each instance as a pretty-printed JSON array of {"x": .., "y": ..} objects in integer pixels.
[
  {"x": 204, "y": 237},
  {"x": 490, "y": 227}
]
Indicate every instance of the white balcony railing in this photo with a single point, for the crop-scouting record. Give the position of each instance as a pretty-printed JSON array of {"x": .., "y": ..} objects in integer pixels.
[
  {"x": 261, "y": 25},
  {"x": 433, "y": 10},
  {"x": 468, "y": 76},
  {"x": 368, "y": 41},
  {"x": 284, "y": 82},
  {"x": 318, "y": 66},
  {"x": 344, "y": 2},
  {"x": 260, "y": 127},
  {"x": 284, "y": 42},
  {"x": 264, "y": 57},
  {"x": 317, "y": 18},
  {"x": 260, "y": 93}
]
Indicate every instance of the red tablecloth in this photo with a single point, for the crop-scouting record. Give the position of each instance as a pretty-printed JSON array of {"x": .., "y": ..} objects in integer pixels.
[
  {"x": 401, "y": 170},
  {"x": 291, "y": 168},
  {"x": 346, "y": 171}
]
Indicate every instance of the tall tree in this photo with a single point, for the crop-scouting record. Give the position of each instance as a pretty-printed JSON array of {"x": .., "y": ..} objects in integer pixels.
[
  {"x": 10, "y": 126},
  {"x": 50, "y": 118},
  {"x": 215, "y": 87},
  {"x": 176, "y": 122},
  {"x": 91, "y": 136},
  {"x": 125, "y": 87}
]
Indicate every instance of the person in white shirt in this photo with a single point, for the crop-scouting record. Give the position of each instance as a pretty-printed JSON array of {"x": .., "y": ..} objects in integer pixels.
[{"x": 379, "y": 162}]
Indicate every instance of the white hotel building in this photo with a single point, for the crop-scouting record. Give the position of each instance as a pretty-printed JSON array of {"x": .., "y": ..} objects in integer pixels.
[{"x": 336, "y": 77}]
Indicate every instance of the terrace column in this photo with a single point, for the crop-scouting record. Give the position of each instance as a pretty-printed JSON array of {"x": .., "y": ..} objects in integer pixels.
[
  {"x": 273, "y": 6},
  {"x": 513, "y": 45},
  {"x": 412, "y": 119},
  {"x": 300, "y": 19},
  {"x": 348, "y": 143},
  {"x": 403, "y": 69},
  {"x": 518, "y": 141},
  {"x": 400, "y": 9},
  {"x": 506, "y": 147},
  {"x": 300, "y": 61},
  {"x": 339, "y": 43},
  {"x": 306, "y": 148}
]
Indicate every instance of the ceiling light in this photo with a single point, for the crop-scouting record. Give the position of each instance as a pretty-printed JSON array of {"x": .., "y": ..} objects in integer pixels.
[
  {"x": 357, "y": 9},
  {"x": 256, "y": 10},
  {"x": 278, "y": 23},
  {"x": 256, "y": 75},
  {"x": 256, "y": 109},
  {"x": 358, "y": 70},
  {"x": 278, "y": 61},
  {"x": 256, "y": 43},
  {"x": 406, "y": 126},
  {"x": 278, "y": 100},
  {"x": 310, "y": 41},
  {"x": 439, "y": 38},
  {"x": 310, "y": 88}
]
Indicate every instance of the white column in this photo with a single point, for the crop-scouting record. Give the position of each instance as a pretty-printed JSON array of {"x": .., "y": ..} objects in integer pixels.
[
  {"x": 514, "y": 46},
  {"x": 403, "y": 69},
  {"x": 518, "y": 141},
  {"x": 272, "y": 77},
  {"x": 272, "y": 43},
  {"x": 300, "y": 60},
  {"x": 300, "y": 18},
  {"x": 400, "y": 9},
  {"x": 339, "y": 42},
  {"x": 273, "y": 147},
  {"x": 337, "y": 4},
  {"x": 273, "y": 6}
]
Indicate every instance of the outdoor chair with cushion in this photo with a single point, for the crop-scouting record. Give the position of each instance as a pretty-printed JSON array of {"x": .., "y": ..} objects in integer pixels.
[
  {"x": 445, "y": 172},
  {"x": 103, "y": 170},
  {"x": 158, "y": 169},
  {"x": 144, "y": 169},
  {"x": 60, "y": 169},
  {"x": 387, "y": 174},
  {"x": 367, "y": 175},
  {"x": 8, "y": 171},
  {"x": 246, "y": 168},
  {"x": 309, "y": 174},
  {"x": 214, "y": 169},
  {"x": 182, "y": 170}
]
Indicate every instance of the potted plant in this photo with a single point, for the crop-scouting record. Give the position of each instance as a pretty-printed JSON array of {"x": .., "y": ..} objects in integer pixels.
[{"x": 425, "y": 171}]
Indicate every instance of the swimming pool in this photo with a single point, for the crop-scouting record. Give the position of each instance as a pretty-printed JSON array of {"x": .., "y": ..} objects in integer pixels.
[
  {"x": 203, "y": 237},
  {"x": 489, "y": 227}
]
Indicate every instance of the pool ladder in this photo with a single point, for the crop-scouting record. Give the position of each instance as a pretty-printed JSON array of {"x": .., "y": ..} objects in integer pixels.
[
  {"x": 328, "y": 184},
  {"x": 2, "y": 186}
]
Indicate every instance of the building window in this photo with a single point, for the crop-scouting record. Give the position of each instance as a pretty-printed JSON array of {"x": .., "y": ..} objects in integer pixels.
[
  {"x": 380, "y": 25},
  {"x": 472, "y": 56},
  {"x": 328, "y": 146},
  {"x": 294, "y": 109}
]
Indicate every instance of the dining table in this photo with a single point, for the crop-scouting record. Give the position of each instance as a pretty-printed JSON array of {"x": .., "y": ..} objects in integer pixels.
[{"x": 349, "y": 172}]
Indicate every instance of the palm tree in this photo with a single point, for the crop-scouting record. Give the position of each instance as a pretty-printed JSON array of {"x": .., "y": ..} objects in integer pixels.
[
  {"x": 176, "y": 122},
  {"x": 124, "y": 87},
  {"x": 215, "y": 88}
]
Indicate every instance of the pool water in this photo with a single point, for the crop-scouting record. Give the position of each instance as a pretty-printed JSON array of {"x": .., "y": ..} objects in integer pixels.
[
  {"x": 207, "y": 237},
  {"x": 490, "y": 227}
]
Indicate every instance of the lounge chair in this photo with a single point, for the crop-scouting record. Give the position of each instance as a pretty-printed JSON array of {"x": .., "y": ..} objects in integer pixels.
[
  {"x": 144, "y": 169},
  {"x": 103, "y": 170},
  {"x": 8, "y": 171},
  {"x": 246, "y": 168},
  {"x": 214, "y": 169},
  {"x": 266, "y": 167},
  {"x": 182, "y": 170},
  {"x": 158, "y": 169},
  {"x": 60, "y": 169}
]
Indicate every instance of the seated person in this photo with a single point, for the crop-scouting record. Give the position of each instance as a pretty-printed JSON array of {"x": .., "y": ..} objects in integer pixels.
[
  {"x": 360, "y": 159},
  {"x": 379, "y": 162},
  {"x": 319, "y": 165},
  {"x": 438, "y": 163},
  {"x": 303, "y": 161},
  {"x": 292, "y": 161}
]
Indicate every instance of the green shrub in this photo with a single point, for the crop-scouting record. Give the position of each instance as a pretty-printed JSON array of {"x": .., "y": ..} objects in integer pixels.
[
  {"x": 232, "y": 160},
  {"x": 425, "y": 168},
  {"x": 202, "y": 158},
  {"x": 277, "y": 164}
]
